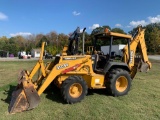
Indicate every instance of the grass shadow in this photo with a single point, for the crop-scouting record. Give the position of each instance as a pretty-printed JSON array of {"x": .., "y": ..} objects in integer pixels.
[{"x": 8, "y": 93}]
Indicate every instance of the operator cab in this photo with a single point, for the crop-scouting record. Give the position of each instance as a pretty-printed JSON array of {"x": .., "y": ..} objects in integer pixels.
[{"x": 101, "y": 59}]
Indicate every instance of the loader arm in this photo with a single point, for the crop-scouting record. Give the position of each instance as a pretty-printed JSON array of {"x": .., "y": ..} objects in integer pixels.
[
  {"x": 59, "y": 69},
  {"x": 136, "y": 62},
  {"x": 25, "y": 96},
  {"x": 28, "y": 91}
]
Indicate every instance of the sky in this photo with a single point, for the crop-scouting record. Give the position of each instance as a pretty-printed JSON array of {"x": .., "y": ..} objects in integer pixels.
[{"x": 27, "y": 17}]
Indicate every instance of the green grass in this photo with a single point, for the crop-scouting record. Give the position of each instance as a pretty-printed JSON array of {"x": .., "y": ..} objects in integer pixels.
[{"x": 141, "y": 103}]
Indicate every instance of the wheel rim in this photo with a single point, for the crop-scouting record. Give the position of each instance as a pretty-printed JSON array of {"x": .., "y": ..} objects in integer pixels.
[
  {"x": 121, "y": 83},
  {"x": 75, "y": 90}
]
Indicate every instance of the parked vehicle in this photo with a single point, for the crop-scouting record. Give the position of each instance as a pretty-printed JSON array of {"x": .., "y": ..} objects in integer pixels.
[
  {"x": 23, "y": 55},
  {"x": 48, "y": 56}
]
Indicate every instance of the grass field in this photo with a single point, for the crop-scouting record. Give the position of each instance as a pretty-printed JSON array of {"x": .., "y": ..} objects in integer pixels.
[{"x": 141, "y": 103}]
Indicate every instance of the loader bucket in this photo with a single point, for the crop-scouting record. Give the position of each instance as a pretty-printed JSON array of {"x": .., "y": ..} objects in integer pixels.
[
  {"x": 25, "y": 97},
  {"x": 18, "y": 102}
]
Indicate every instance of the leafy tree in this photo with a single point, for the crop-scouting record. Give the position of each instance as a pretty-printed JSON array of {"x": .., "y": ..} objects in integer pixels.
[
  {"x": 107, "y": 41},
  {"x": 152, "y": 33},
  {"x": 154, "y": 40},
  {"x": 99, "y": 43},
  {"x": 12, "y": 40},
  {"x": 43, "y": 39},
  {"x": 21, "y": 42},
  {"x": 52, "y": 37},
  {"x": 100, "y": 29},
  {"x": 38, "y": 40},
  {"x": 56, "y": 41},
  {"x": 62, "y": 40},
  {"x": 51, "y": 49},
  {"x": 3, "y": 41},
  {"x": 118, "y": 30}
]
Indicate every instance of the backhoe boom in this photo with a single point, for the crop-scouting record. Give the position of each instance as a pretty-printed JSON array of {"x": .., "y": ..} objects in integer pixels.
[{"x": 135, "y": 61}]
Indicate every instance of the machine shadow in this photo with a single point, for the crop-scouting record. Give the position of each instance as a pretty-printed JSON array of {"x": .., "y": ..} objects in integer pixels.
[
  {"x": 8, "y": 93},
  {"x": 54, "y": 94},
  {"x": 99, "y": 91}
]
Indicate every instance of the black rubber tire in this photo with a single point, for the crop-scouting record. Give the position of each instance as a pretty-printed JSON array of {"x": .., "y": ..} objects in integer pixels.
[
  {"x": 66, "y": 86},
  {"x": 114, "y": 74}
]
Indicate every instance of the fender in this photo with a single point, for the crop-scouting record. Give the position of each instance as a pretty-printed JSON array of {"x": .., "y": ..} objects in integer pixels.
[{"x": 112, "y": 65}]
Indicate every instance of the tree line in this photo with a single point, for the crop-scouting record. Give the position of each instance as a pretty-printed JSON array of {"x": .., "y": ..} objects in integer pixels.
[{"x": 56, "y": 42}]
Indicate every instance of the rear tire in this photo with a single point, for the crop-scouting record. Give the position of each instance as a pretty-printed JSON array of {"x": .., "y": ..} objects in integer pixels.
[
  {"x": 119, "y": 82},
  {"x": 74, "y": 89}
]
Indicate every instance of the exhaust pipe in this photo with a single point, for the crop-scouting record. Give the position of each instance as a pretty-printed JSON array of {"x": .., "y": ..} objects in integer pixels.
[{"x": 83, "y": 41}]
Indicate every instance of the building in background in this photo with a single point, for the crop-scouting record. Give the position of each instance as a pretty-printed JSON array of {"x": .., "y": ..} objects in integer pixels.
[
  {"x": 35, "y": 53},
  {"x": 4, "y": 53}
]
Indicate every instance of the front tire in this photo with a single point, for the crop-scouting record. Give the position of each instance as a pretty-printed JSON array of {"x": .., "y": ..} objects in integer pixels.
[
  {"x": 119, "y": 82},
  {"x": 74, "y": 89}
]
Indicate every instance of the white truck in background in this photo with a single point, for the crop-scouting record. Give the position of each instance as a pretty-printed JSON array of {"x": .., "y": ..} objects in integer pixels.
[
  {"x": 23, "y": 55},
  {"x": 116, "y": 50}
]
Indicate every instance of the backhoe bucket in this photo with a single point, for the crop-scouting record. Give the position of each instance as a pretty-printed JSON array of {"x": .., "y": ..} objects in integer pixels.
[
  {"x": 25, "y": 97},
  {"x": 142, "y": 66}
]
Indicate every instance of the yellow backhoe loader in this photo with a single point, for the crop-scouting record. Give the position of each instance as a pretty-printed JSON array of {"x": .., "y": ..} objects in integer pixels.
[{"x": 75, "y": 74}]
